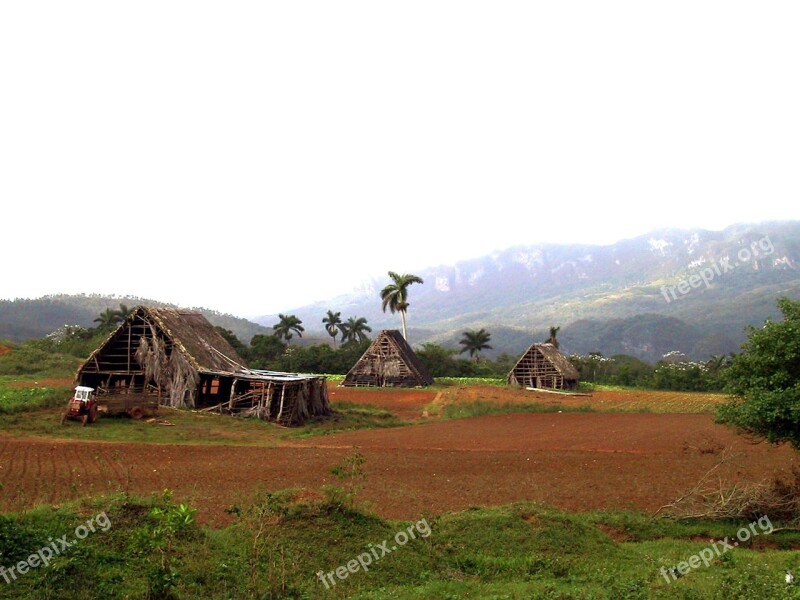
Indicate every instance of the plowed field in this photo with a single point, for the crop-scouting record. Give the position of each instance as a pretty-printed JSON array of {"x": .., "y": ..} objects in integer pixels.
[{"x": 577, "y": 461}]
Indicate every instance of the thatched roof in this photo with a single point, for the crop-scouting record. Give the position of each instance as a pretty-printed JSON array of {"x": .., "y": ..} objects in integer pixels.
[
  {"x": 411, "y": 359},
  {"x": 386, "y": 350},
  {"x": 190, "y": 332},
  {"x": 555, "y": 358},
  {"x": 196, "y": 338}
]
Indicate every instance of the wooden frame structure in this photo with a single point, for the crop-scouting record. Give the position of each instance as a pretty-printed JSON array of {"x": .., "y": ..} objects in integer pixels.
[
  {"x": 180, "y": 360},
  {"x": 543, "y": 366},
  {"x": 388, "y": 362}
]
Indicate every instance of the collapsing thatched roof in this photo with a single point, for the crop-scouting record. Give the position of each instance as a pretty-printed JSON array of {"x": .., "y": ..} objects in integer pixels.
[
  {"x": 388, "y": 362},
  {"x": 197, "y": 339},
  {"x": 179, "y": 358},
  {"x": 543, "y": 365},
  {"x": 190, "y": 332}
]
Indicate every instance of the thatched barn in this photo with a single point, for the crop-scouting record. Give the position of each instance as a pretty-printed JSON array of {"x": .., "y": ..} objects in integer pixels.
[
  {"x": 388, "y": 362},
  {"x": 179, "y": 358},
  {"x": 543, "y": 366}
]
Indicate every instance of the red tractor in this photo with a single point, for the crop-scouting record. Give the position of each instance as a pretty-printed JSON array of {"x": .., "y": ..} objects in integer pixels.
[{"x": 82, "y": 407}]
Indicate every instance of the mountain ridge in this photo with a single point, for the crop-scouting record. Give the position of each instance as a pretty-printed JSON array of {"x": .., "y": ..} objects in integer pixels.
[
  {"x": 632, "y": 297},
  {"x": 528, "y": 288}
]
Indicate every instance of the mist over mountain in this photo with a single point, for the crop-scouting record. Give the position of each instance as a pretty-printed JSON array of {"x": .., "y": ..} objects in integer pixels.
[{"x": 643, "y": 296}]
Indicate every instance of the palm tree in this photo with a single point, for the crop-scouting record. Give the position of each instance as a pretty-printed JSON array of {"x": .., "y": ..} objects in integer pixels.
[
  {"x": 355, "y": 330},
  {"x": 107, "y": 319},
  {"x": 332, "y": 321},
  {"x": 717, "y": 363},
  {"x": 287, "y": 325},
  {"x": 395, "y": 295},
  {"x": 122, "y": 313},
  {"x": 474, "y": 342},
  {"x": 552, "y": 339}
]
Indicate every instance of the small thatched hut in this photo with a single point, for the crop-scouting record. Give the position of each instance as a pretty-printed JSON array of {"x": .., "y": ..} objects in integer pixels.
[
  {"x": 388, "y": 362},
  {"x": 543, "y": 366},
  {"x": 180, "y": 359}
]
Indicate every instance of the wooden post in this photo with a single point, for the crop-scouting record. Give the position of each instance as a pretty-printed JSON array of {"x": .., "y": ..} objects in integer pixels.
[
  {"x": 233, "y": 392},
  {"x": 280, "y": 410}
]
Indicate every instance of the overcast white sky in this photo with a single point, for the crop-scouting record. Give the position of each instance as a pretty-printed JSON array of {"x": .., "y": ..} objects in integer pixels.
[{"x": 255, "y": 156}]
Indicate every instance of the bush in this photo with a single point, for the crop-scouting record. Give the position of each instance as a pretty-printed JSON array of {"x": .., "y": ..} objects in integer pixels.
[{"x": 765, "y": 380}]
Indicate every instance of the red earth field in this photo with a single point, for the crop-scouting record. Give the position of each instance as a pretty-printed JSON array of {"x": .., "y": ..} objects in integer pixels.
[{"x": 576, "y": 461}]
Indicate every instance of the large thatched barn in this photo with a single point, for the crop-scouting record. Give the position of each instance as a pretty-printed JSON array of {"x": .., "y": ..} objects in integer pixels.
[
  {"x": 388, "y": 362},
  {"x": 543, "y": 366},
  {"x": 180, "y": 359}
]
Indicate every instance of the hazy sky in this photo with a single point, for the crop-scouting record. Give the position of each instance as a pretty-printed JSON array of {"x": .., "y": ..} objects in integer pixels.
[{"x": 251, "y": 157}]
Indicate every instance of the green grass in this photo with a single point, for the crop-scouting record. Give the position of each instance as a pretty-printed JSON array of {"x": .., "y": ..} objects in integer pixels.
[
  {"x": 174, "y": 426},
  {"x": 16, "y": 400},
  {"x": 482, "y": 408},
  {"x": 171, "y": 426},
  {"x": 277, "y": 545},
  {"x": 28, "y": 360},
  {"x": 348, "y": 416}
]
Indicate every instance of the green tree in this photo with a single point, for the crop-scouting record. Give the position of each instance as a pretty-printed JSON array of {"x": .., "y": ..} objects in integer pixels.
[
  {"x": 288, "y": 325},
  {"x": 440, "y": 361},
  {"x": 475, "y": 341},
  {"x": 332, "y": 321},
  {"x": 107, "y": 319},
  {"x": 122, "y": 313},
  {"x": 764, "y": 380},
  {"x": 395, "y": 295},
  {"x": 234, "y": 341},
  {"x": 354, "y": 330},
  {"x": 265, "y": 350}
]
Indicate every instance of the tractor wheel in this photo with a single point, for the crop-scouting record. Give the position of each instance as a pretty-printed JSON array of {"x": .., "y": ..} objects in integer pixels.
[
  {"x": 92, "y": 414},
  {"x": 136, "y": 412}
]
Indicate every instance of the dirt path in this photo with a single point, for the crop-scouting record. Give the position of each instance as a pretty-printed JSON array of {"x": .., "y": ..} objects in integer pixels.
[{"x": 577, "y": 461}]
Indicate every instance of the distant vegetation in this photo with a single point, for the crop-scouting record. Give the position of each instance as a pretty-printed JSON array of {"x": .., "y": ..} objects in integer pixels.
[
  {"x": 25, "y": 319},
  {"x": 60, "y": 352},
  {"x": 673, "y": 372}
]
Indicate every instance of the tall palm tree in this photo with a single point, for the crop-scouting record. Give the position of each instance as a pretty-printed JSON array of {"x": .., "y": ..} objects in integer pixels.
[
  {"x": 287, "y": 325},
  {"x": 332, "y": 321},
  {"x": 475, "y": 341},
  {"x": 395, "y": 295},
  {"x": 355, "y": 330}
]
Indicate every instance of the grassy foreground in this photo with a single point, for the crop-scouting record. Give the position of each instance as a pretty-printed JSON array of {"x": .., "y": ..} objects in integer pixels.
[{"x": 152, "y": 548}]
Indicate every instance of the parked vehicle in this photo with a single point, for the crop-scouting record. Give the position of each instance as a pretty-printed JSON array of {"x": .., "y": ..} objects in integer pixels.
[{"x": 82, "y": 406}]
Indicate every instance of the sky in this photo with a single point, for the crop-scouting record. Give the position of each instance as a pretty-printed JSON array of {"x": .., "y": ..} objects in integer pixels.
[{"x": 257, "y": 156}]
